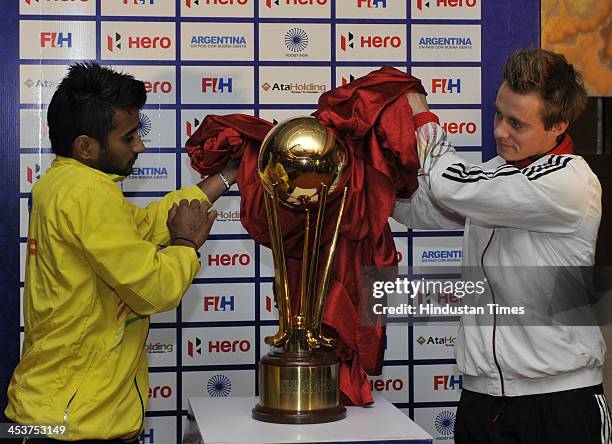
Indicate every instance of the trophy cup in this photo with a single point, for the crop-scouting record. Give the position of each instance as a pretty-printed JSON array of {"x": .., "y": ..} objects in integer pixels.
[{"x": 300, "y": 163}]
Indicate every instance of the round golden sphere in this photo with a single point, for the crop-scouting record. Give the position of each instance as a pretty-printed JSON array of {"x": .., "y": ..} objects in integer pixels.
[{"x": 299, "y": 155}]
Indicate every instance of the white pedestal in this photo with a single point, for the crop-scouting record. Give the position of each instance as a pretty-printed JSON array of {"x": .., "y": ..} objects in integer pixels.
[{"x": 228, "y": 421}]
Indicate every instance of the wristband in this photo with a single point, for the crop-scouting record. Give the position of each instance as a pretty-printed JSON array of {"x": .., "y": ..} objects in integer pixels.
[
  {"x": 225, "y": 181},
  {"x": 195, "y": 246}
]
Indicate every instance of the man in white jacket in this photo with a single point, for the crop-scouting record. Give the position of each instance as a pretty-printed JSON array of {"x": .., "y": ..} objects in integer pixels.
[{"x": 533, "y": 205}]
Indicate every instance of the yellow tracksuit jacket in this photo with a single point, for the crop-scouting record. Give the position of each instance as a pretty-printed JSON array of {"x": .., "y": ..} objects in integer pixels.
[{"x": 94, "y": 274}]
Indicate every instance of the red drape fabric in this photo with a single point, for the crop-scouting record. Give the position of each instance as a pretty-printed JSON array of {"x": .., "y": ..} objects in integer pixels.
[{"x": 371, "y": 116}]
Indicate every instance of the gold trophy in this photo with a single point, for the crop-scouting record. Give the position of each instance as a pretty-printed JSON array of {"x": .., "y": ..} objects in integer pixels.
[{"x": 300, "y": 163}]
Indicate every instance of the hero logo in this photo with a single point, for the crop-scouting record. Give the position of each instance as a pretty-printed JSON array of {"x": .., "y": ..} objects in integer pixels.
[
  {"x": 459, "y": 127},
  {"x": 138, "y": 42},
  {"x": 190, "y": 127},
  {"x": 217, "y": 85},
  {"x": 370, "y": 41},
  {"x": 33, "y": 174},
  {"x": 138, "y": 2},
  {"x": 446, "y": 86},
  {"x": 29, "y": 2},
  {"x": 194, "y": 347},
  {"x": 372, "y": 3},
  {"x": 270, "y": 3},
  {"x": 447, "y": 3},
  {"x": 229, "y": 346},
  {"x": 163, "y": 392},
  {"x": 270, "y": 304},
  {"x": 387, "y": 385},
  {"x": 346, "y": 80},
  {"x": 158, "y": 87},
  {"x": 55, "y": 39},
  {"x": 218, "y": 303},
  {"x": 224, "y": 260},
  {"x": 447, "y": 382},
  {"x": 189, "y": 3}
]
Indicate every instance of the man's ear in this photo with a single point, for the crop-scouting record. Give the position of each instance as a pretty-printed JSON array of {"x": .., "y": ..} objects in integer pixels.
[
  {"x": 560, "y": 128},
  {"x": 85, "y": 149}
]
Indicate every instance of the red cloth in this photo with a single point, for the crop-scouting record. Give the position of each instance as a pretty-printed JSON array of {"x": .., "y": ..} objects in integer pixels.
[{"x": 372, "y": 117}]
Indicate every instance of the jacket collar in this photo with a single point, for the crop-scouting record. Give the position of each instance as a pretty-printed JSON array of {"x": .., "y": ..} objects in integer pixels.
[
  {"x": 565, "y": 146},
  {"x": 61, "y": 160}
]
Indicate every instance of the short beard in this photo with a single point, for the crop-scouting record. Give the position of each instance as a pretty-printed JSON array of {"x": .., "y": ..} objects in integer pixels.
[{"x": 107, "y": 163}]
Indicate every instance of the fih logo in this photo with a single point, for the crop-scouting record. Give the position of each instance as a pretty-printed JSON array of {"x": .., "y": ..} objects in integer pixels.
[
  {"x": 217, "y": 85},
  {"x": 387, "y": 385},
  {"x": 447, "y": 382},
  {"x": 347, "y": 80},
  {"x": 219, "y": 303},
  {"x": 460, "y": 127},
  {"x": 144, "y": 125},
  {"x": 447, "y": 4},
  {"x": 33, "y": 174},
  {"x": 138, "y": 42},
  {"x": 219, "y": 386},
  {"x": 370, "y": 41},
  {"x": 372, "y": 3},
  {"x": 147, "y": 438},
  {"x": 445, "y": 422},
  {"x": 269, "y": 3},
  {"x": 194, "y": 347},
  {"x": 296, "y": 40},
  {"x": 161, "y": 391},
  {"x": 190, "y": 127},
  {"x": 55, "y": 39}
]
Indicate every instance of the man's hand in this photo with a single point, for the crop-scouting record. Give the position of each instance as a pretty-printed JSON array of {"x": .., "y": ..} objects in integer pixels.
[
  {"x": 190, "y": 222},
  {"x": 417, "y": 102}
]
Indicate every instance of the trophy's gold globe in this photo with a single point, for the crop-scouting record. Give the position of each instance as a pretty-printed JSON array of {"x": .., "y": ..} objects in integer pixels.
[{"x": 299, "y": 155}]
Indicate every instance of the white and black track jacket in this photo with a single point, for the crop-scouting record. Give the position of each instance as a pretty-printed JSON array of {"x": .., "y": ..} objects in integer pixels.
[{"x": 546, "y": 214}]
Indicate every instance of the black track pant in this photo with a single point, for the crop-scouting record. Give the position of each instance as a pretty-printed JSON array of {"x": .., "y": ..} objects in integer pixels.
[{"x": 580, "y": 416}]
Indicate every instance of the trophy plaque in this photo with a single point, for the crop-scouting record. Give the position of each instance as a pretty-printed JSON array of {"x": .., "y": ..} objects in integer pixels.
[{"x": 300, "y": 164}]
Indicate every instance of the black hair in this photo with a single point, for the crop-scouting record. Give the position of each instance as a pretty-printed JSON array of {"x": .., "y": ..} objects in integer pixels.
[{"x": 84, "y": 104}]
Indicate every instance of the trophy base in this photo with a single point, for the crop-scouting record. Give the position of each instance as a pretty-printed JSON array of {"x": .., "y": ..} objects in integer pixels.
[
  {"x": 298, "y": 417},
  {"x": 299, "y": 388}
]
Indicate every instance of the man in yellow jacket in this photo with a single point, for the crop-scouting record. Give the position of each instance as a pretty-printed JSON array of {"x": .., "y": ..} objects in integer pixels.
[{"x": 98, "y": 266}]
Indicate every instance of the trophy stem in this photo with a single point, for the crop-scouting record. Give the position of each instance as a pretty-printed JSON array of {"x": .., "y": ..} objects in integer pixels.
[
  {"x": 301, "y": 318},
  {"x": 280, "y": 271},
  {"x": 327, "y": 275}
]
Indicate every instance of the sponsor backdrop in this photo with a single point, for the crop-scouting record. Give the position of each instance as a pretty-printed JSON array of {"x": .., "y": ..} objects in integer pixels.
[{"x": 269, "y": 58}]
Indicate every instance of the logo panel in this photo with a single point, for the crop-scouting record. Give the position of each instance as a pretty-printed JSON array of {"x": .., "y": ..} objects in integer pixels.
[
  {"x": 372, "y": 9},
  {"x": 219, "y": 302},
  {"x": 162, "y": 391},
  {"x": 463, "y": 126},
  {"x": 268, "y": 310},
  {"x": 371, "y": 42},
  {"x": 37, "y": 83},
  {"x": 47, "y": 7},
  {"x": 160, "y": 82},
  {"x": 228, "y": 258},
  {"x": 437, "y": 383},
  {"x": 393, "y": 383},
  {"x": 397, "y": 342},
  {"x": 450, "y": 85},
  {"x": 294, "y": 42},
  {"x": 161, "y": 347},
  {"x": 295, "y": 8},
  {"x": 138, "y": 41},
  {"x": 296, "y": 85},
  {"x": 217, "y": 384},
  {"x": 217, "y": 41},
  {"x": 439, "y": 422},
  {"x": 442, "y": 43},
  {"x": 158, "y": 430},
  {"x": 193, "y": 118},
  {"x": 31, "y": 168},
  {"x": 149, "y": 8},
  {"x": 446, "y": 9},
  {"x": 33, "y": 128},
  {"x": 217, "y": 8},
  {"x": 435, "y": 340},
  {"x": 228, "y": 216},
  {"x": 152, "y": 172},
  {"x": 217, "y": 85},
  {"x": 157, "y": 128},
  {"x": 44, "y": 39},
  {"x": 218, "y": 346}
]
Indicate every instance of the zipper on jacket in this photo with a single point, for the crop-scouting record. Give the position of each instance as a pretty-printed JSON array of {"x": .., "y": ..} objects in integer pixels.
[
  {"x": 499, "y": 370},
  {"x": 142, "y": 412},
  {"x": 77, "y": 391}
]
